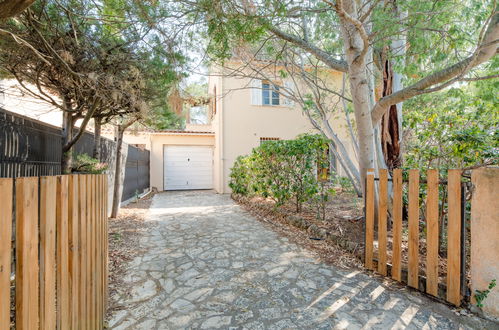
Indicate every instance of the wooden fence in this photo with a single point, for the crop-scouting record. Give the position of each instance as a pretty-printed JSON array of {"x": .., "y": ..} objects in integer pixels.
[
  {"x": 377, "y": 258},
  {"x": 58, "y": 227}
]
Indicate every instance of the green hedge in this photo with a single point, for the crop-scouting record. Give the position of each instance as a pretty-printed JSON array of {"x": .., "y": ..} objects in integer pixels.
[{"x": 284, "y": 170}]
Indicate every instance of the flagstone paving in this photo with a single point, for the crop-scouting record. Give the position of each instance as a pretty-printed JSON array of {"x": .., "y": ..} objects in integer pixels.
[{"x": 205, "y": 263}]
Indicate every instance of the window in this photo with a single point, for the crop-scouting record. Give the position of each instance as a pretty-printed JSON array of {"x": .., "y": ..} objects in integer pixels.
[
  {"x": 270, "y": 93},
  {"x": 267, "y": 93},
  {"x": 267, "y": 139}
]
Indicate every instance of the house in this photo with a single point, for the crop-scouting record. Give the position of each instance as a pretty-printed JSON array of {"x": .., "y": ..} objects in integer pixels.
[{"x": 244, "y": 112}]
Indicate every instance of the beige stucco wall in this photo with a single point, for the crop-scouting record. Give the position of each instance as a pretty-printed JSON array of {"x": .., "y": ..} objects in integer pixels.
[
  {"x": 159, "y": 140},
  {"x": 239, "y": 125},
  {"x": 485, "y": 235},
  {"x": 198, "y": 127},
  {"x": 131, "y": 137}
]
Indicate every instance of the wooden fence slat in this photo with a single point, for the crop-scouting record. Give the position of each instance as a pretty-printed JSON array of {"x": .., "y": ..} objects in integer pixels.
[
  {"x": 106, "y": 244},
  {"x": 397, "y": 225},
  {"x": 103, "y": 246},
  {"x": 98, "y": 231},
  {"x": 432, "y": 233},
  {"x": 93, "y": 255},
  {"x": 73, "y": 228},
  {"x": 101, "y": 250},
  {"x": 413, "y": 266},
  {"x": 27, "y": 253},
  {"x": 83, "y": 251},
  {"x": 6, "y": 190},
  {"x": 48, "y": 212},
  {"x": 63, "y": 284},
  {"x": 382, "y": 218},
  {"x": 454, "y": 237},
  {"x": 369, "y": 221},
  {"x": 89, "y": 250}
]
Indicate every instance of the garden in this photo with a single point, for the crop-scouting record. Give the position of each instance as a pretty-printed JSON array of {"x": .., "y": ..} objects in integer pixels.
[{"x": 294, "y": 183}]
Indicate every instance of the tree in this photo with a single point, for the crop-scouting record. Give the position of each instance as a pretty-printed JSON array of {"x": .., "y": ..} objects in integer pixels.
[
  {"x": 87, "y": 65},
  {"x": 63, "y": 62},
  {"x": 419, "y": 41}
]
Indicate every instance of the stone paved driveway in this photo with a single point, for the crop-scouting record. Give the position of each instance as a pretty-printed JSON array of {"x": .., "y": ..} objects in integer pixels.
[{"x": 205, "y": 263}]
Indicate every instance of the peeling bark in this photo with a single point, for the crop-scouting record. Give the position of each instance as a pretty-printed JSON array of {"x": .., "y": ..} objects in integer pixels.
[{"x": 390, "y": 134}]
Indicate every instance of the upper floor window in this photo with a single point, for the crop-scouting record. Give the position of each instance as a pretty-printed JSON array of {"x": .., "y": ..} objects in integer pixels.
[{"x": 270, "y": 93}]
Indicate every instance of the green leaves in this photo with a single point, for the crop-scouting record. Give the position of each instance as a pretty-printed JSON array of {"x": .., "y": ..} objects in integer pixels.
[
  {"x": 454, "y": 128},
  {"x": 283, "y": 170}
]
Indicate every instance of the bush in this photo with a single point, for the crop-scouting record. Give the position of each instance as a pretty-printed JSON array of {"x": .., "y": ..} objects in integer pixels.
[
  {"x": 83, "y": 163},
  {"x": 283, "y": 170}
]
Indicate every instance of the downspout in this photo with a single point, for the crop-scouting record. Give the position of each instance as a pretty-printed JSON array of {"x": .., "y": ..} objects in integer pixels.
[{"x": 221, "y": 134}]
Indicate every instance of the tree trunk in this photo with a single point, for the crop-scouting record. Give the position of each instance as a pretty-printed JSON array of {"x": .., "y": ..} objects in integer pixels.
[
  {"x": 117, "y": 174},
  {"x": 359, "y": 88},
  {"x": 97, "y": 139},
  {"x": 67, "y": 136}
]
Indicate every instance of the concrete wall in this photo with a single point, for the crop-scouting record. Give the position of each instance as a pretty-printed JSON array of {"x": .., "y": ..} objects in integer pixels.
[
  {"x": 159, "y": 140},
  {"x": 131, "y": 137},
  {"x": 239, "y": 125},
  {"x": 485, "y": 236}
]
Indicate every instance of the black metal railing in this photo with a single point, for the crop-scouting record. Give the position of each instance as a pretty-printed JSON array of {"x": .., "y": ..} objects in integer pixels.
[{"x": 29, "y": 147}]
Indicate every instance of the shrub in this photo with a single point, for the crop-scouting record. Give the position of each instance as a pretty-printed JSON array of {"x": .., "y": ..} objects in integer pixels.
[
  {"x": 83, "y": 163},
  {"x": 283, "y": 170},
  {"x": 322, "y": 197}
]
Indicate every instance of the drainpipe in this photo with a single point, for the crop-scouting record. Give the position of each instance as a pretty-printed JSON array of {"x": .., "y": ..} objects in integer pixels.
[{"x": 221, "y": 128}]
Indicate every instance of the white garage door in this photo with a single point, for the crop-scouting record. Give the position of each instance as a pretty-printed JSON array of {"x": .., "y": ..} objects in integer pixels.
[{"x": 188, "y": 167}]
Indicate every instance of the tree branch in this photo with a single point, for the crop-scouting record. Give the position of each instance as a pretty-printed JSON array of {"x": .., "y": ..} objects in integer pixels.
[
  {"x": 338, "y": 65},
  {"x": 492, "y": 76},
  {"x": 83, "y": 126},
  {"x": 485, "y": 51}
]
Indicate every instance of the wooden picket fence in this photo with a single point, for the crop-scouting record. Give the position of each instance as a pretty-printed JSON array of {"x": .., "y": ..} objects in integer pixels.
[
  {"x": 58, "y": 227},
  {"x": 394, "y": 267}
]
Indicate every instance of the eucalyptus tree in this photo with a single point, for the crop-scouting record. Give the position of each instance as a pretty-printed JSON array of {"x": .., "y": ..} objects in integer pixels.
[{"x": 391, "y": 51}]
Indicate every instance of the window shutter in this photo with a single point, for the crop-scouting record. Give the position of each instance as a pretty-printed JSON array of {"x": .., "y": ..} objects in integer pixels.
[
  {"x": 289, "y": 88},
  {"x": 256, "y": 92}
]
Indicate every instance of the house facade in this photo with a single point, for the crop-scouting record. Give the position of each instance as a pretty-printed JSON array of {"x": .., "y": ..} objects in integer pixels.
[{"x": 244, "y": 112}]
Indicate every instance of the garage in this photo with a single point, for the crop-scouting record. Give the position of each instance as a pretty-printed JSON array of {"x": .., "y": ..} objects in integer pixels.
[{"x": 188, "y": 167}]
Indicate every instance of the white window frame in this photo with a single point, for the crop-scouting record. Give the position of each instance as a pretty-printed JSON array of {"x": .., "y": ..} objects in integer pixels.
[{"x": 257, "y": 92}]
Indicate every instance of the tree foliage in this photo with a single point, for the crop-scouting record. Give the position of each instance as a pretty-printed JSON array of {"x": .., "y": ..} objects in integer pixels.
[
  {"x": 90, "y": 60},
  {"x": 456, "y": 128}
]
